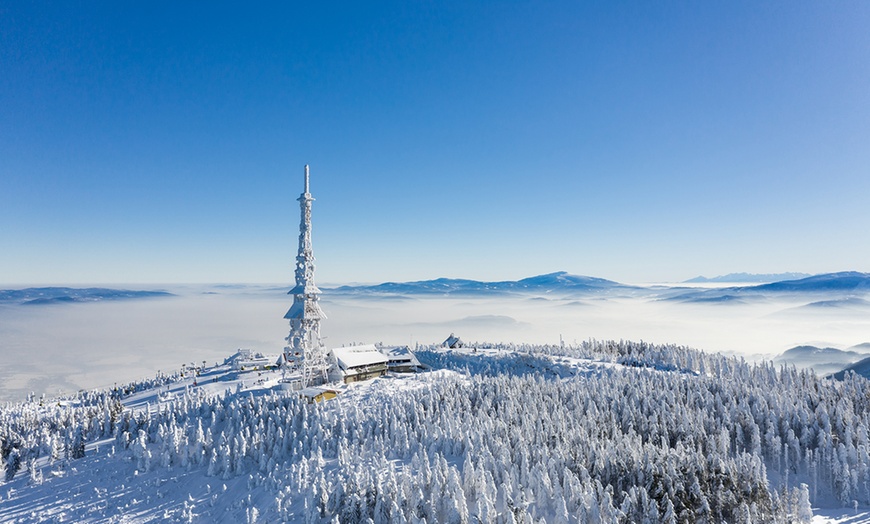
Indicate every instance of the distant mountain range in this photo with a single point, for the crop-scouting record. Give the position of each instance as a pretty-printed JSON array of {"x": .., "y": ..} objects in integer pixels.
[
  {"x": 64, "y": 295},
  {"x": 550, "y": 283},
  {"x": 561, "y": 282},
  {"x": 748, "y": 277},
  {"x": 829, "y": 361},
  {"x": 843, "y": 283},
  {"x": 848, "y": 289}
]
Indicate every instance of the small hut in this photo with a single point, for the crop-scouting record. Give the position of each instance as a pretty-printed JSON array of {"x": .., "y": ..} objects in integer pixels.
[
  {"x": 452, "y": 342},
  {"x": 317, "y": 394}
]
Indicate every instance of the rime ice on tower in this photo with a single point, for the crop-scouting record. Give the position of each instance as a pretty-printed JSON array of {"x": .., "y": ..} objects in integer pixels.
[{"x": 305, "y": 315}]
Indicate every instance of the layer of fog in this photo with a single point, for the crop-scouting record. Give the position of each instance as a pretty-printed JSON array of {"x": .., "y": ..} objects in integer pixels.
[{"x": 63, "y": 348}]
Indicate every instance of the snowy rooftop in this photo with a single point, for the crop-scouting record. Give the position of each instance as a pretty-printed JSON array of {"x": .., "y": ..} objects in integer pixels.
[
  {"x": 400, "y": 354},
  {"x": 358, "y": 356},
  {"x": 312, "y": 392}
]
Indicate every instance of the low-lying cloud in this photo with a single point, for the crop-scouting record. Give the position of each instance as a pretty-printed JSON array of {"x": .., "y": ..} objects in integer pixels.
[{"x": 59, "y": 348}]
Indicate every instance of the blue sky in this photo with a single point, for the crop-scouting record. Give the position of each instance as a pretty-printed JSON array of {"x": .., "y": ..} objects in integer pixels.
[{"x": 635, "y": 141}]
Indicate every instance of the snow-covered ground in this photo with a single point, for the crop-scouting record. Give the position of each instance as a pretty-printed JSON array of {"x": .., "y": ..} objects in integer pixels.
[
  {"x": 102, "y": 487},
  {"x": 840, "y": 516},
  {"x": 107, "y": 486},
  {"x": 155, "y": 475}
]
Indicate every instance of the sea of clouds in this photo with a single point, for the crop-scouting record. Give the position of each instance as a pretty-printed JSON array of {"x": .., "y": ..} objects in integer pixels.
[{"x": 61, "y": 348}]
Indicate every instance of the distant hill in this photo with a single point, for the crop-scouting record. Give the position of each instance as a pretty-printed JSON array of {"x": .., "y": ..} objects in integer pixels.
[
  {"x": 822, "y": 360},
  {"x": 552, "y": 282},
  {"x": 845, "y": 283},
  {"x": 842, "y": 303},
  {"x": 814, "y": 352},
  {"x": 842, "y": 281},
  {"x": 718, "y": 299},
  {"x": 862, "y": 367},
  {"x": 36, "y": 296},
  {"x": 748, "y": 277}
]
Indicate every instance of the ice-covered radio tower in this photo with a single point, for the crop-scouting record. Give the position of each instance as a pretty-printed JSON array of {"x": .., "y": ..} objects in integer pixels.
[{"x": 305, "y": 315}]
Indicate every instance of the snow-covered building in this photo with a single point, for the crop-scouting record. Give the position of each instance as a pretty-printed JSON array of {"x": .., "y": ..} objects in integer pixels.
[
  {"x": 247, "y": 359},
  {"x": 358, "y": 363},
  {"x": 400, "y": 359},
  {"x": 318, "y": 394},
  {"x": 452, "y": 342}
]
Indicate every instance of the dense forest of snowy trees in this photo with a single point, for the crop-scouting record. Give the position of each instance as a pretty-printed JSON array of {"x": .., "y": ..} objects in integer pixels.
[{"x": 648, "y": 434}]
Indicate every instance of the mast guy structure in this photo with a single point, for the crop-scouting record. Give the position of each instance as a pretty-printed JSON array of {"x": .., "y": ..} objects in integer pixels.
[{"x": 305, "y": 315}]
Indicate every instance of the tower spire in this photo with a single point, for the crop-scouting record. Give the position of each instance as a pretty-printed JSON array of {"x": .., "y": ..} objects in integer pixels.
[
  {"x": 304, "y": 342},
  {"x": 306, "y": 178}
]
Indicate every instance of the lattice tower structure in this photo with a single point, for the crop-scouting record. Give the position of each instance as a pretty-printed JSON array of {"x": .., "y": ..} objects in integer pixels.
[{"x": 305, "y": 314}]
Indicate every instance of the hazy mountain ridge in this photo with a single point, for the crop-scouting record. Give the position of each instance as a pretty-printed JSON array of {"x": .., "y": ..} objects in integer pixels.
[
  {"x": 59, "y": 295},
  {"x": 844, "y": 285},
  {"x": 748, "y": 277},
  {"x": 848, "y": 282},
  {"x": 850, "y": 302},
  {"x": 840, "y": 281},
  {"x": 560, "y": 281},
  {"x": 823, "y": 360},
  {"x": 861, "y": 368}
]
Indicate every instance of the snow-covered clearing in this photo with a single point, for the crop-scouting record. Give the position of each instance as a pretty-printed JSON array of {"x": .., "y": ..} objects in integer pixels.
[{"x": 840, "y": 516}]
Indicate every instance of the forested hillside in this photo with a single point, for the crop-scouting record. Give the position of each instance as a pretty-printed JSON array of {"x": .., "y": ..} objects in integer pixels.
[{"x": 606, "y": 431}]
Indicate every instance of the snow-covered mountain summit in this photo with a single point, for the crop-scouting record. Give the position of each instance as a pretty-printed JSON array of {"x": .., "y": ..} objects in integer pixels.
[{"x": 599, "y": 432}]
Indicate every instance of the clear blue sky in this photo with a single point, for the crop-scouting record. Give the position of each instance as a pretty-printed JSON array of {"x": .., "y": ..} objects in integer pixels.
[{"x": 635, "y": 141}]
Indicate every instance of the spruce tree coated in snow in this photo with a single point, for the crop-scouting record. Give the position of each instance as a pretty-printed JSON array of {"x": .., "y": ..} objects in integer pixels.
[
  {"x": 34, "y": 472},
  {"x": 321, "y": 493},
  {"x": 396, "y": 515},
  {"x": 804, "y": 509},
  {"x": 561, "y": 511},
  {"x": 13, "y": 464},
  {"x": 213, "y": 464},
  {"x": 382, "y": 510},
  {"x": 54, "y": 450},
  {"x": 670, "y": 516},
  {"x": 309, "y": 512}
]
